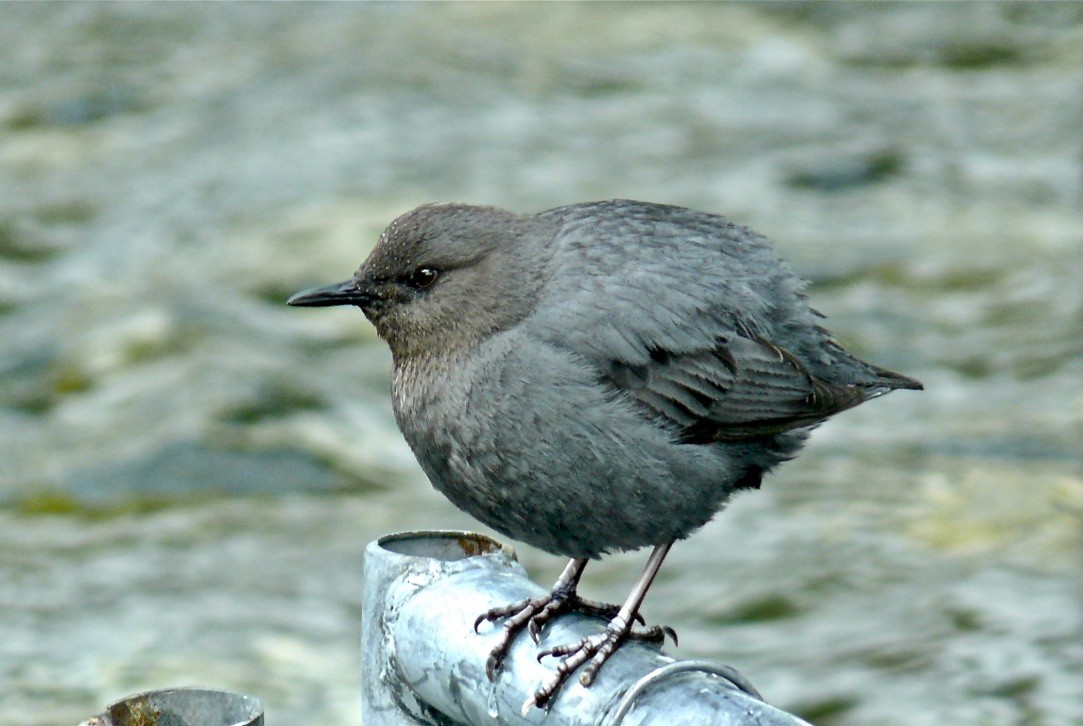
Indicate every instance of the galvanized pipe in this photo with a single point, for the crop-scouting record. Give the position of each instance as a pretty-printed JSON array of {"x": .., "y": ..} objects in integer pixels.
[
  {"x": 424, "y": 664},
  {"x": 181, "y": 707}
]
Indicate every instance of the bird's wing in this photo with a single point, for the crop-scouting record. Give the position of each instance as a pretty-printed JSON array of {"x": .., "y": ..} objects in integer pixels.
[
  {"x": 676, "y": 309},
  {"x": 629, "y": 277},
  {"x": 740, "y": 388}
]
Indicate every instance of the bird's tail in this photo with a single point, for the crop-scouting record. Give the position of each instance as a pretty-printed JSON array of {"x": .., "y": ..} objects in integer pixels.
[
  {"x": 851, "y": 370},
  {"x": 892, "y": 381}
]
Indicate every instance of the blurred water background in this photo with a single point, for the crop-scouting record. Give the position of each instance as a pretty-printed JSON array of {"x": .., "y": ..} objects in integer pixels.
[{"x": 189, "y": 470}]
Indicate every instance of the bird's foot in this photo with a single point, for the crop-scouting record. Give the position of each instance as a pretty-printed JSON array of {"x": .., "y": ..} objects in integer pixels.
[
  {"x": 596, "y": 649},
  {"x": 533, "y": 614}
]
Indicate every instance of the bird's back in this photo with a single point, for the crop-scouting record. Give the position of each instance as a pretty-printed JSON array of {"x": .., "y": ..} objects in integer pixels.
[
  {"x": 698, "y": 320},
  {"x": 654, "y": 276}
]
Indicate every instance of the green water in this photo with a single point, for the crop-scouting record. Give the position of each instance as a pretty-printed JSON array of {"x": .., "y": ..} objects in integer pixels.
[{"x": 189, "y": 470}]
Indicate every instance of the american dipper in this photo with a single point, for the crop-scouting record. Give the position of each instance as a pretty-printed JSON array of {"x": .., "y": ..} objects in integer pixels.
[{"x": 596, "y": 377}]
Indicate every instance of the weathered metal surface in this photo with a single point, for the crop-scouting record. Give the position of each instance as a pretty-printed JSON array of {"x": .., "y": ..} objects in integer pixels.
[
  {"x": 424, "y": 664},
  {"x": 181, "y": 707}
]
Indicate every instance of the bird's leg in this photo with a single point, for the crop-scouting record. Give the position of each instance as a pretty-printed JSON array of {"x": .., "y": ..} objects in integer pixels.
[
  {"x": 598, "y": 648},
  {"x": 535, "y": 613}
]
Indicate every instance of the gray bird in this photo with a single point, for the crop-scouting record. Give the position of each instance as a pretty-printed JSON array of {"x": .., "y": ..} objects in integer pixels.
[{"x": 596, "y": 377}]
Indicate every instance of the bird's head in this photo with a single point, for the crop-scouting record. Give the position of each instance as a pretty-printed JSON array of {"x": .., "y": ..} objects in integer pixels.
[{"x": 443, "y": 276}]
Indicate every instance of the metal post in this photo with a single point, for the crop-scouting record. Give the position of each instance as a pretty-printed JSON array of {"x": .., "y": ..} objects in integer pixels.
[{"x": 424, "y": 664}]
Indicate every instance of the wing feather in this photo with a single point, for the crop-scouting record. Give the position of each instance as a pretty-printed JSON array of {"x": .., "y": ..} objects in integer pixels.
[{"x": 704, "y": 398}]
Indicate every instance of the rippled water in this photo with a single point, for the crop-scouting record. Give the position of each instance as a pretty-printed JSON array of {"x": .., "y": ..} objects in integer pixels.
[{"x": 189, "y": 471}]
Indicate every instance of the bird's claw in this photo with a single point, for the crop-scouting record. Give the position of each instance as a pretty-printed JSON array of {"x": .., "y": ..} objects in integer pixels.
[
  {"x": 519, "y": 615},
  {"x": 534, "y": 629},
  {"x": 494, "y": 614},
  {"x": 596, "y": 649},
  {"x": 533, "y": 614},
  {"x": 655, "y": 635}
]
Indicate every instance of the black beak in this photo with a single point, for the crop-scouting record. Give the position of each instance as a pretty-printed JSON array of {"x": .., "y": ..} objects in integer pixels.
[{"x": 341, "y": 293}]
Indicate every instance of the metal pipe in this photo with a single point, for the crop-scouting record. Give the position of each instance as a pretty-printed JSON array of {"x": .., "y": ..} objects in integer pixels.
[
  {"x": 181, "y": 707},
  {"x": 424, "y": 664}
]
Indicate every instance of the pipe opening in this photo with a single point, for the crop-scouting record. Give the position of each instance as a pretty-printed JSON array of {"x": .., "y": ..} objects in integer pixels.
[{"x": 445, "y": 546}]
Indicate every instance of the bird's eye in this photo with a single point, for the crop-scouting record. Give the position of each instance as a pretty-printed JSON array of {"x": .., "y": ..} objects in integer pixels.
[{"x": 423, "y": 277}]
